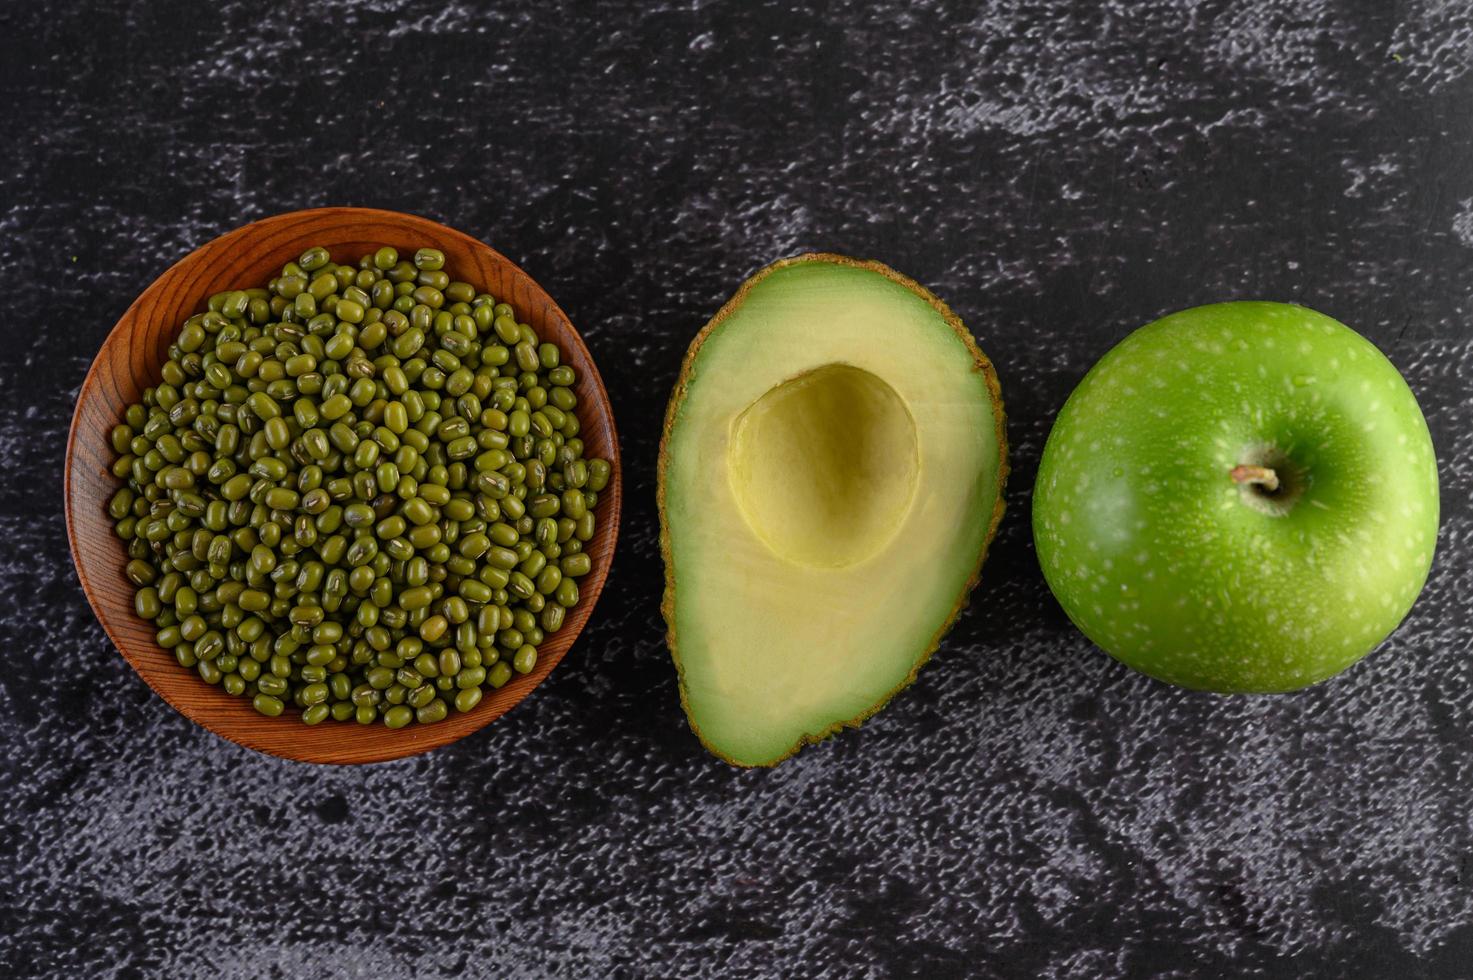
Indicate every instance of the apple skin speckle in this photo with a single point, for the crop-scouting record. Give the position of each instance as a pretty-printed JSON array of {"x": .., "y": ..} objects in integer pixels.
[{"x": 1258, "y": 598}]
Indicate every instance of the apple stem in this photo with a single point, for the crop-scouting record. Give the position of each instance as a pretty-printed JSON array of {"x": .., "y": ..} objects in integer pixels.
[{"x": 1261, "y": 475}]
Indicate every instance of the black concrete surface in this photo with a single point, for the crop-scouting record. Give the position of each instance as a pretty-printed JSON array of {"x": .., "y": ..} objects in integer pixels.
[{"x": 1060, "y": 172}]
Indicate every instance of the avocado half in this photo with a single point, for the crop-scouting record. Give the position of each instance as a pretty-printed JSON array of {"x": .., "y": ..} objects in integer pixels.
[{"x": 831, "y": 474}]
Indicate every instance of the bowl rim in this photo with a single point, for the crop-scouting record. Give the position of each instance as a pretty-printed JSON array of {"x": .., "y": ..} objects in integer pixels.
[{"x": 296, "y": 741}]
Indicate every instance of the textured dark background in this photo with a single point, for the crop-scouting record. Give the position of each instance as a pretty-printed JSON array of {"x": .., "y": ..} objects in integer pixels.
[{"x": 1060, "y": 172}]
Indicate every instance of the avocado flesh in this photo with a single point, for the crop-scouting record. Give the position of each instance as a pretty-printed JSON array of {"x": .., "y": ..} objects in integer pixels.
[{"x": 831, "y": 475}]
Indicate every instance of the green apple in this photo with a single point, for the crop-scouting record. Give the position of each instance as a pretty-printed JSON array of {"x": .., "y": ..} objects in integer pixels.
[{"x": 1238, "y": 498}]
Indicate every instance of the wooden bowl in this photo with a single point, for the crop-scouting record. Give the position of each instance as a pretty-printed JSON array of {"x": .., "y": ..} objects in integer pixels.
[{"x": 131, "y": 359}]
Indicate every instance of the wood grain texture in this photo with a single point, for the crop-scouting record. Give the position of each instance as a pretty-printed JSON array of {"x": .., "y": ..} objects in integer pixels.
[{"x": 130, "y": 360}]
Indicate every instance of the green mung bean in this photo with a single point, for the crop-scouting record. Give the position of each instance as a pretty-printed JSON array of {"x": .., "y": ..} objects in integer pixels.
[{"x": 358, "y": 492}]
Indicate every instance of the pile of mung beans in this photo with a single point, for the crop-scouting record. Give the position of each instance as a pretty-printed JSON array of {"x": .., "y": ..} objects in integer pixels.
[{"x": 358, "y": 493}]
